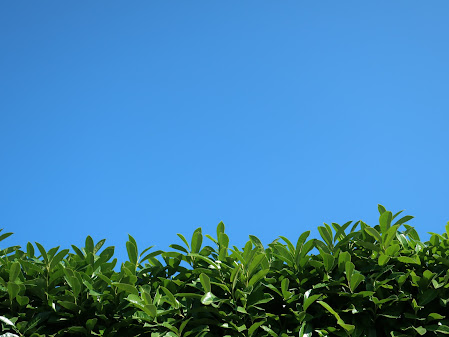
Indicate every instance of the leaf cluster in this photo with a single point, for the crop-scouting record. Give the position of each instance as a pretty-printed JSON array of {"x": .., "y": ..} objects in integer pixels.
[{"x": 364, "y": 281}]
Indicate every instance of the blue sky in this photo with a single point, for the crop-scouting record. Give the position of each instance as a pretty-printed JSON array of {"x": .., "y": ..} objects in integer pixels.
[{"x": 155, "y": 117}]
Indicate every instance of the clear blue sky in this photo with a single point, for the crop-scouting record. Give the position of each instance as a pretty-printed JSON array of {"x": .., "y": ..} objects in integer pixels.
[{"x": 157, "y": 117}]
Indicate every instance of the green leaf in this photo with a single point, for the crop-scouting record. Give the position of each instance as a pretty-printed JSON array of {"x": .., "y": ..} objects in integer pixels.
[
  {"x": 349, "y": 269},
  {"x": 356, "y": 278},
  {"x": 258, "y": 276},
  {"x": 126, "y": 287},
  {"x": 150, "y": 256},
  {"x": 184, "y": 240},
  {"x": 328, "y": 261},
  {"x": 90, "y": 323},
  {"x": 420, "y": 330},
  {"x": 269, "y": 330},
  {"x": 444, "y": 329},
  {"x": 256, "y": 242},
  {"x": 290, "y": 246},
  {"x": 99, "y": 245},
  {"x": 381, "y": 209},
  {"x": 223, "y": 241},
  {"x": 256, "y": 263},
  {"x": 106, "y": 254},
  {"x": 69, "y": 306},
  {"x": 208, "y": 298},
  {"x": 368, "y": 245},
  {"x": 406, "y": 259},
  {"x": 411, "y": 233},
  {"x": 254, "y": 327},
  {"x": 22, "y": 300},
  {"x": 171, "y": 299},
  {"x": 309, "y": 300},
  {"x": 306, "y": 330},
  {"x": 30, "y": 250},
  {"x": 197, "y": 240},
  {"x": 89, "y": 245},
  {"x": 329, "y": 308},
  {"x": 78, "y": 252},
  {"x": 180, "y": 248},
  {"x": 72, "y": 281},
  {"x": 435, "y": 316},
  {"x": 4, "y": 236},
  {"x": 299, "y": 247},
  {"x": 374, "y": 233},
  {"x": 383, "y": 259},
  {"x": 42, "y": 251},
  {"x": 185, "y": 322},
  {"x": 343, "y": 257},
  {"x": 427, "y": 296},
  {"x": 404, "y": 219},
  {"x": 6, "y": 320},
  {"x": 14, "y": 271},
  {"x": 58, "y": 258},
  {"x": 284, "y": 288},
  {"x": 37, "y": 320},
  {"x": 326, "y": 234},
  {"x": 77, "y": 330},
  {"x": 206, "y": 259},
  {"x": 348, "y": 327},
  {"x": 340, "y": 234},
  {"x": 13, "y": 290},
  {"x": 390, "y": 235},
  {"x": 151, "y": 310},
  {"x": 385, "y": 221},
  {"x": 205, "y": 282},
  {"x": 220, "y": 228},
  {"x": 131, "y": 248}
]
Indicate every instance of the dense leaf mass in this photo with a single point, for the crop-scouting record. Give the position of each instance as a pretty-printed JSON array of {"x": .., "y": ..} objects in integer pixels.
[{"x": 362, "y": 281}]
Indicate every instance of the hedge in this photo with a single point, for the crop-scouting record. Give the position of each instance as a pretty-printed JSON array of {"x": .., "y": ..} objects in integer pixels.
[{"x": 362, "y": 281}]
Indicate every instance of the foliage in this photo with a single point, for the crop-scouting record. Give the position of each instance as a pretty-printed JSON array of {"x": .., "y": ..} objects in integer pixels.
[{"x": 364, "y": 281}]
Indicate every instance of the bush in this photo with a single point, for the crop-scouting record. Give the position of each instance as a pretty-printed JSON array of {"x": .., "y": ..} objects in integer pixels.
[{"x": 364, "y": 281}]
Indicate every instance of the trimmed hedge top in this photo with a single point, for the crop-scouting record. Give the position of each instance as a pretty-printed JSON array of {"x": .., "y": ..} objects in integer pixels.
[{"x": 365, "y": 281}]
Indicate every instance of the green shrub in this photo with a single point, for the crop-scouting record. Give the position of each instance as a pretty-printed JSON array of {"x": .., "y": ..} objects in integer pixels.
[{"x": 364, "y": 281}]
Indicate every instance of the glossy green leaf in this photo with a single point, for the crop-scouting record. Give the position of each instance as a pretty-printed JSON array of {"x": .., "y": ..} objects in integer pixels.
[
  {"x": 205, "y": 282},
  {"x": 13, "y": 290},
  {"x": 309, "y": 300},
  {"x": 22, "y": 300},
  {"x": 126, "y": 287},
  {"x": 385, "y": 221},
  {"x": 30, "y": 250},
  {"x": 356, "y": 279},
  {"x": 58, "y": 258},
  {"x": 306, "y": 330},
  {"x": 171, "y": 299},
  {"x": 6, "y": 321},
  {"x": 326, "y": 234},
  {"x": 89, "y": 245},
  {"x": 383, "y": 259},
  {"x": 254, "y": 327},
  {"x": 406, "y": 259},
  {"x": 197, "y": 240},
  {"x": 42, "y": 251},
  {"x": 90, "y": 323},
  {"x": 374, "y": 233},
  {"x": 14, "y": 271},
  {"x": 257, "y": 277},
  {"x": 184, "y": 240},
  {"x": 208, "y": 298},
  {"x": 404, "y": 220},
  {"x": 131, "y": 249}
]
